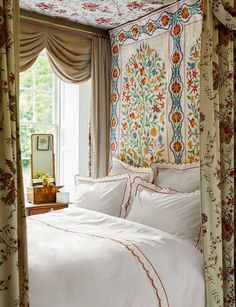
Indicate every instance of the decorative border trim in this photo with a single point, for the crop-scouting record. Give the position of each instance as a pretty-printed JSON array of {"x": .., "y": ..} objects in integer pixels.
[
  {"x": 147, "y": 171},
  {"x": 168, "y": 191},
  {"x": 130, "y": 247},
  {"x": 145, "y": 183}
]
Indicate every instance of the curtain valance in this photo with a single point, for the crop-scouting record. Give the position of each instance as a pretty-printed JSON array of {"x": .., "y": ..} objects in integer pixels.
[{"x": 69, "y": 53}]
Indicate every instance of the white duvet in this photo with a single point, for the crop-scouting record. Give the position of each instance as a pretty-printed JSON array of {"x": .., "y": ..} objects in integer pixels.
[{"x": 81, "y": 258}]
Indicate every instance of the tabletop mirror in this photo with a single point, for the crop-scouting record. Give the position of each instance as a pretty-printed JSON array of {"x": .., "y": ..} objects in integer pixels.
[{"x": 42, "y": 159}]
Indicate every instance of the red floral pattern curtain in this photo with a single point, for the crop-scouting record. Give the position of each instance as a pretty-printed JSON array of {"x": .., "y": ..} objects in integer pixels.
[
  {"x": 13, "y": 260},
  {"x": 217, "y": 153}
]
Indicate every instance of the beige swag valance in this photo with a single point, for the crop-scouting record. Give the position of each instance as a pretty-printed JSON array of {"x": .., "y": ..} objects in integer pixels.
[
  {"x": 69, "y": 52},
  {"x": 75, "y": 58}
]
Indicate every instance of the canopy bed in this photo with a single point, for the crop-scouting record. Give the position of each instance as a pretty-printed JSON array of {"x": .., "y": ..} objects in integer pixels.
[{"x": 127, "y": 241}]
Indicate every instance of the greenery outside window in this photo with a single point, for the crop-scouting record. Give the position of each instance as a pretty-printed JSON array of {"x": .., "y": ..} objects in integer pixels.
[{"x": 38, "y": 107}]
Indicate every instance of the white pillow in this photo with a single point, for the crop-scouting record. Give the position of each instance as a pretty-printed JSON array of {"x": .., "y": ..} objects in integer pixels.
[
  {"x": 139, "y": 184},
  {"x": 107, "y": 195},
  {"x": 180, "y": 177},
  {"x": 119, "y": 167},
  {"x": 177, "y": 214}
]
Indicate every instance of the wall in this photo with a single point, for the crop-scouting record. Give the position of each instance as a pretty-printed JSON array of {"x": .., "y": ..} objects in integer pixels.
[{"x": 155, "y": 88}]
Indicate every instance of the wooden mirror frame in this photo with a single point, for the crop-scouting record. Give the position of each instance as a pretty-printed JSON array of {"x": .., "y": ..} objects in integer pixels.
[{"x": 39, "y": 182}]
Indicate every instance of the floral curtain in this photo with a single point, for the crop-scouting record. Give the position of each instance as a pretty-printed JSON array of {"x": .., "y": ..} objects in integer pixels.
[
  {"x": 217, "y": 152},
  {"x": 13, "y": 263}
]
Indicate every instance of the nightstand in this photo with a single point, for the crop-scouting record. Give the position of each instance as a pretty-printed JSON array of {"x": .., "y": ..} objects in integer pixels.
[{"x": 32, "y": 209}]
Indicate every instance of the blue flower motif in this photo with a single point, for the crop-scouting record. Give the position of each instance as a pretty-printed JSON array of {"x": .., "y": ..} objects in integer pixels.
[
  {"x": 149, "y": 63},
  {"x": 154, "y": 72},
  {"x": 160, "y": 138},
  {"x": 192, "y": 65},
  {"x": 135, "y": 135}
]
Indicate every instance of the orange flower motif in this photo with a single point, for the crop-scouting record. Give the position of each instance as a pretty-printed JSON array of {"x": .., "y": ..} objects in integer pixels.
[
  {"x": 136, "y": 125},
  {"x": 113, "y": 122},
  {"x": 115, "y": 73},
  {"x": 144, "y": 81},
  {"x": 135, "y": 156},
  {"x": 122, "y": 155},
  {"x": 132, "y": 116},
  {"x": 154, "y": 132},
  {"x": 165, "y": 20},
  {"x": 127, "y": 98},
  {"x": 113, "y": 146},
  {"x": 196, "y": 54},
  {"x": 121, "y": 36},
  {"x": 185, "y": 13},
  {"x": 127, "y": 86},
  {"x": 135, "y": 65},
  {"x": 135, "y": 31},
  {"x": 131, "y": 79},
  {"x": 176, "y": 57},
  {"x": 192, "y": 122},
  {"x": 155, "y": 108},
  {"x": 191, "y": 159},
  {"x": 176, "y": 30},
  {"x": 114, "y": 97},
  {"x": 177, "y": 146},
  {"x": 176, "y": 87},
  {"x": 150, "y": 27},
  {"x": 142, "y": 71},
  {"x": 115, "y": 49},
  {"x": 176, "y": 117},
  {"x": 128, "y": 70},
  {"x": 190, "y": 144}
]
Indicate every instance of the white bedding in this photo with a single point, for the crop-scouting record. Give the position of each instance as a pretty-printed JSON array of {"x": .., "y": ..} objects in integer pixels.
[{"x": 81, "y": 258}]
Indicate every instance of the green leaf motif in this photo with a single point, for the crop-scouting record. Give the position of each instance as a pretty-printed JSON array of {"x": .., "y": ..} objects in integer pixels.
[{"x": 143, "y": 123}]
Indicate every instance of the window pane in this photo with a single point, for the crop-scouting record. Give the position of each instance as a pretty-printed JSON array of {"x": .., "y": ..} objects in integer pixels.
[
  {"x": 26, "y": 79},
  {"x": 26, "y": 173},
  {"x": 43, "y": 74},
  {"x": 43, "y": 108},
  {"x": 26, "y": 105}
]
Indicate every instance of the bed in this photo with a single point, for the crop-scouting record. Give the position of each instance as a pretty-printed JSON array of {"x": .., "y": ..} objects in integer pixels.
[{"x": 83, "y": 258}]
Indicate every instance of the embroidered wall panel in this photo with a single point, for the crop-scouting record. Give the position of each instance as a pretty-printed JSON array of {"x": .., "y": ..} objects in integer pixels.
[{"x": 155, "y": 88}]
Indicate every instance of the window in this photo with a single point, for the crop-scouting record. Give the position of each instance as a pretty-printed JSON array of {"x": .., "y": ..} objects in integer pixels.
[
  {"x": 49, "y": 105},
  {"x": 38, "y": 112}
]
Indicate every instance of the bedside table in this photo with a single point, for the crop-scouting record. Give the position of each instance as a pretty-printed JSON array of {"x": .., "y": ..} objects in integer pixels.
[{"x": 32, "y": 209}]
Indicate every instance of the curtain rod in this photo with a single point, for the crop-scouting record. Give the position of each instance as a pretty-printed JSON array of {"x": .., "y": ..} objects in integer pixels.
[{"x": 62, "y": 26}]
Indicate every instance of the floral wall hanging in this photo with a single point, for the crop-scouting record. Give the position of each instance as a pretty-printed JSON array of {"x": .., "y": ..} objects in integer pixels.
[{"x": 155, "y": 88}]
